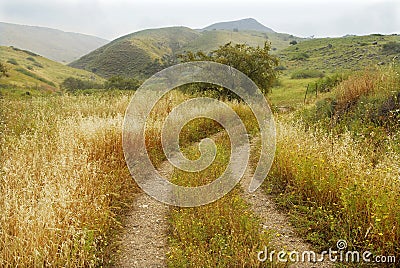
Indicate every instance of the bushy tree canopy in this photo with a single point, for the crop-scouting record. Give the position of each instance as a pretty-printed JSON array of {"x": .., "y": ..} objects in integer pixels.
[
  {"x": 124, "y": 83},
  {"x": 256, "y": 62},
  {"x": 73, "y": 84}
]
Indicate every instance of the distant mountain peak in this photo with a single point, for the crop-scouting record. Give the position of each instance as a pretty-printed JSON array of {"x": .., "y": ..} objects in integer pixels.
[{"x": 247, "y": 24}]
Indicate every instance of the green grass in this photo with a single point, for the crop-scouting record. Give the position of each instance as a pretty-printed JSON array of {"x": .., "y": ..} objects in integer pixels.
[
  {"x": 290, "y": 92},
  {"x": 306, "y": 73}
]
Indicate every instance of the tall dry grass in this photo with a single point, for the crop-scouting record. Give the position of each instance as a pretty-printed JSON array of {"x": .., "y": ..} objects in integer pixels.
[
  {"x": 380, "y": 82},
  {"x": 63, "y": 179},
  {"x": 334, "y": 191}
]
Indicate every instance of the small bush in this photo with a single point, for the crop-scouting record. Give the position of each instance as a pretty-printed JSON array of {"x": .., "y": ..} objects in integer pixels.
[
  {"x": 301, "y": 74},
  {"x": 326, "y": 84},
  {"x": 72, "y": 84},
  {"x": 37, "y": 64},
  {"x": 31, "y": 59},
  {"x": 280, "y": 68},
  {"x": 300, "y": 56},
  {"x": 124, "y": 83},
  {"x": 12, "y": 61},
  {"x": 3, "y": 70},
  {"x": 391, "y": 48}
]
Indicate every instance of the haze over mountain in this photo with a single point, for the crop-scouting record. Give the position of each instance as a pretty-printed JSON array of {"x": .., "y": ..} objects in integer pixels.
[
  {"x": 134, "y": 54},
  {"x": 51, "y": 43},
  {"x": 248, "y": 24}
]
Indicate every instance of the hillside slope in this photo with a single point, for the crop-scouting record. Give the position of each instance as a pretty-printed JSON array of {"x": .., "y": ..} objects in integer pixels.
[
  {"x": 342, "y": 53},
  {"x": 50, "y": 43},
  {"x": 131, "y": 55},
  {"x": 28, "y": 70}
]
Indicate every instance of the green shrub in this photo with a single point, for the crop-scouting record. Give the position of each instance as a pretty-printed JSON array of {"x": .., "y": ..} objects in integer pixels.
[
  {"x": 326, "y": 84},
  {"x": 301, "y": 74},
  {"x": 391, "y": 48},
  {"x": 12, "y": 61},
  {"x": 72, "y": 84},
  {"x": 280, "y": 68},
  {"x": 3, "y": 70},
  {"x": 124, "y": 83},
  {"x": 300, "y": 56},
  {"x": 37, "y": 64}
]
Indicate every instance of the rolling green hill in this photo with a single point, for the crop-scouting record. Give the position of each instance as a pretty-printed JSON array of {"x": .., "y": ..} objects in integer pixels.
[
  {"x": 50, "y": 43},
  {"x": 130, "y": 55},
  {"x": 28, "y": 70},
  {"x": 342, "y": 53}
]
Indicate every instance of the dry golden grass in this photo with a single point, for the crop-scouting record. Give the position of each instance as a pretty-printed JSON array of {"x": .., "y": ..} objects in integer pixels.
[
  {"x": 64, "y": 181},
  {"x": 365, "y": 83},
  {"x": 335, "y": 192},
  {"x": 63, "y": 178}
]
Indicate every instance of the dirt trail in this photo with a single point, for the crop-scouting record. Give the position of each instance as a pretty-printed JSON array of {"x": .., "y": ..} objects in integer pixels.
[
  {"x": 144, "y": 241},
  {"x": 285, "y": 237}
]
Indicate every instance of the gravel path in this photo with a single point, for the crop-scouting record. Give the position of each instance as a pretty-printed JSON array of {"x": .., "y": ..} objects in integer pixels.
[{"x": 144, "y": 242}]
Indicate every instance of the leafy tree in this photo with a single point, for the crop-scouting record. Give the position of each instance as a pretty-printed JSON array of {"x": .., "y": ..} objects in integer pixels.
[
  {"x": 293, "y": 42},
  {"x": 120, "y": 82},
  {"x": 3, "y": 70},
  {"x": 159, "y": 64},
  {"x": 73, "y": 84},
  {"x": 255, "y": 62}
]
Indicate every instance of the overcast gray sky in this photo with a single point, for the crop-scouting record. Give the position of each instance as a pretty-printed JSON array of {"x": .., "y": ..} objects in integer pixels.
[{"x": 113, "y": 18}]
